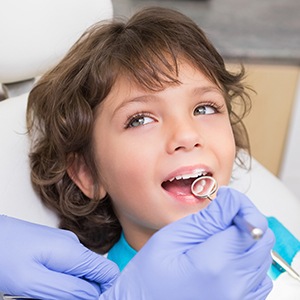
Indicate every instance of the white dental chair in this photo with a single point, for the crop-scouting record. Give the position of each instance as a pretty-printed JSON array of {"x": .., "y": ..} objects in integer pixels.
[{"x": 34, "y": 35}]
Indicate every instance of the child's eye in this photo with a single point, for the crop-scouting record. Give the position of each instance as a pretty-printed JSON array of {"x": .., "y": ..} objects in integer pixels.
[
  {"x": 138, "y": 120},
  {"x": 205, "y": 110}
]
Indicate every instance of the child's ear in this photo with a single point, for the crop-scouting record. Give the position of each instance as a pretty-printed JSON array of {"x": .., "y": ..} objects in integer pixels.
[{"x": 81, "y": 175}]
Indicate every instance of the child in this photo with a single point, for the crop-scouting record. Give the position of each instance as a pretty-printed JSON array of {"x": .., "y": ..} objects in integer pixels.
[
  {"x": 126, "y": 121},
  {"x": 132, "y": 66}
]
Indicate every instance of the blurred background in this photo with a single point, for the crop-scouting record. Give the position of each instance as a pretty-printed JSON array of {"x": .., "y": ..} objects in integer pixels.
[{"x": 265, "y": 37}]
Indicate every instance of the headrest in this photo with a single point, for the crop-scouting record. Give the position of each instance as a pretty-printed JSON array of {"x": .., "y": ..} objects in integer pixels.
[
  {"x": 36, "y": 34},
  {"x": 18, "y": 198}
]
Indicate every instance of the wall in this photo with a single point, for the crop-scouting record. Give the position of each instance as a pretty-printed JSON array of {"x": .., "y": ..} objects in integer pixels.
[
  {"x": 290, "y": 171},
  {"x": 274, "y": 121}
]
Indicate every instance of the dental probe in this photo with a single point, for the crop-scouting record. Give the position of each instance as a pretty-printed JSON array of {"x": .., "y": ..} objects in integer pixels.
[{"x": 281, "y": 264}]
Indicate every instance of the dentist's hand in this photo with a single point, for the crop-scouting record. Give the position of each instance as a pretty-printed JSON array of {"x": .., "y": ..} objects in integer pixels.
[
  {"x": 48, "y": 263},
  {"x": 203, "y": 256}
]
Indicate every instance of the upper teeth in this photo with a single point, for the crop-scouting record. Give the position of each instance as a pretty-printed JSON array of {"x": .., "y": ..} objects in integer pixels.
[{"x": 195, "y": 174}]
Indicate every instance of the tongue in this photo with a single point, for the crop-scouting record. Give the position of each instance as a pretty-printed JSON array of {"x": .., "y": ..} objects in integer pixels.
[{"x": 178, "y": 187}]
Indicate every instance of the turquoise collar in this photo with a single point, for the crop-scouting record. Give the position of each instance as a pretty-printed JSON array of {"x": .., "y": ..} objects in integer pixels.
[
  {"x": 287, "y": 245},
  {"x": 121, "y": 253}
]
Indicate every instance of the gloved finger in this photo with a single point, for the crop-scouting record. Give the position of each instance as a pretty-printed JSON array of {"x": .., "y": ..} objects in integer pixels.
[
  {"x": 262, "y": 290},
  {"x": 257, "y": 276},
  {"x": 84, "y": 263},
  {"x": 61, "y": 250},
  {"x": 229, "y": 254},
  {"x": 248, "y": 211},
  {"x": 218, "y": 216},
  {"x": 261, "y": 249},
  {"x": 50, "y": 285},
  {"x": 227, "y": 249},
  {"x": 228, "y": 198}
]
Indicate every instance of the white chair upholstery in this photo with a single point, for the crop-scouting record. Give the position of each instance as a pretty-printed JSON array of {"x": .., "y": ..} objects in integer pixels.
[
  {"x": 18, "y": 198},
  {"x": 269, "y": 194},
  {"x": 36, "y": 34}
]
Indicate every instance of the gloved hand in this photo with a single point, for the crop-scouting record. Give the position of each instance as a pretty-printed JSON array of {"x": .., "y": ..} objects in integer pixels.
[
  {"x": 50, "y": 263},
  {"x": 202, "y": 256}
]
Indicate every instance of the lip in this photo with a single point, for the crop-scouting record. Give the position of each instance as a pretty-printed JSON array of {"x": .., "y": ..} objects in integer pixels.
[{"x": 188, "y": 199}]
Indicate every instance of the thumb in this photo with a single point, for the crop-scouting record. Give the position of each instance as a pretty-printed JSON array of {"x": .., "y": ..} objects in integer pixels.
[{"x": 229, "y": 203}]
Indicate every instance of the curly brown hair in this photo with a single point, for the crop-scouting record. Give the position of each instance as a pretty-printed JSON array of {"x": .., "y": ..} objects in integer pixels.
[{"x": 61, "y": 107}]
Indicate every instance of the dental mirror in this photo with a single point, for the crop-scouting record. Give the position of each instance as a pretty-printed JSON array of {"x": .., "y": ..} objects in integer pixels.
[{"x": 204, "y": 187}]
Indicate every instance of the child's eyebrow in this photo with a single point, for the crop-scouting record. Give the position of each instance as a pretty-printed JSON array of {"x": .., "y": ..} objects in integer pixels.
[{"x": 206, "y": 89}]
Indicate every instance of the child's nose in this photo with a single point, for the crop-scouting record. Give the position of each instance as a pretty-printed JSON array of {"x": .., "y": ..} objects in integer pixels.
[{"x": 184, "y": 136}]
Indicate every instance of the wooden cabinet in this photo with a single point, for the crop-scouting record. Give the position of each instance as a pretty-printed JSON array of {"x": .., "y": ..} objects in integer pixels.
[{"x": 269, "y": 119}]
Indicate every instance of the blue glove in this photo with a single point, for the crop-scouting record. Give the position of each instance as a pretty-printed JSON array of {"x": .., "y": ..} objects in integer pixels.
[
  {"x": 202, "y": 256},
  {"x": 49, "y": 263}
]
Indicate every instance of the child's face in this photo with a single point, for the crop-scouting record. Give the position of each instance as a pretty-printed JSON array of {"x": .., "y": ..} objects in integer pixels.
[{"x": 143, "y": 139}]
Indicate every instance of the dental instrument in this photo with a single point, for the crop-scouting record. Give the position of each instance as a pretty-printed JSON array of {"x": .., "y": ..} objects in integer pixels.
[{"x": 205, "y": 187}]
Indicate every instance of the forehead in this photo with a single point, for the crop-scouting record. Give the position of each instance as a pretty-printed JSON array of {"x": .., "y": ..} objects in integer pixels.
[{"x": 126, "y": 89}]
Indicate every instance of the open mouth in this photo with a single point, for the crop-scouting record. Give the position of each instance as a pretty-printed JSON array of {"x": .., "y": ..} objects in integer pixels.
[{"x": 181, "y": 185}]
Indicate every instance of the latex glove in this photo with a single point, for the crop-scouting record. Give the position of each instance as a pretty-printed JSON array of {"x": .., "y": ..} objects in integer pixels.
[
  {"x": 203, "y": 256},
  {"x": 49, "y": 263}
]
